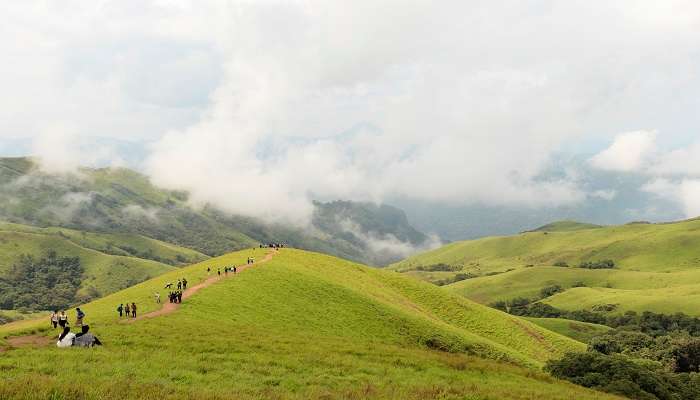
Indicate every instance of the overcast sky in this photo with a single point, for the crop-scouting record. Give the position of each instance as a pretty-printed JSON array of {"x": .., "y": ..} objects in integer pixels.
[{"x": 259, "y": 106}]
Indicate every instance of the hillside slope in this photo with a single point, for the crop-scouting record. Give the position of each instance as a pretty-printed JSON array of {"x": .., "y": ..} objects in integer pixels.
[
  {"x": 657, "y": 267},
  {"x": 124, "y": 201},
  {"x": 110, "y": 261},
  {"x": 303, "y": 325}
]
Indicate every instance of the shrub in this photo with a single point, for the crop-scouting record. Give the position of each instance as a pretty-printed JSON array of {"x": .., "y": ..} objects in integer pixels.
[
  {"x": 550, "y": 291},
  {"x": 602, "y": 264}
]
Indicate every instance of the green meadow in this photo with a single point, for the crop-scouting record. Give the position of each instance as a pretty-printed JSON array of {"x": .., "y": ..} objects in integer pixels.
[
  {"x": 110, "y": 261},
  {"x": 303, "y": 325},
  {"x": 581, "y": 331},
  {"x": 657, "y": 266}
]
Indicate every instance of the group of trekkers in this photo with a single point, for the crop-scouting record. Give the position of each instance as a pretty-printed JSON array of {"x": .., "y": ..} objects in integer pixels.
[
  {"x": 275, "y": 246},
  {"x": 68, "y": 338},
  {"x": 61, "y": 319},
  {"x": 127, "y": 310},
  {"x": 175, "y": 297}
]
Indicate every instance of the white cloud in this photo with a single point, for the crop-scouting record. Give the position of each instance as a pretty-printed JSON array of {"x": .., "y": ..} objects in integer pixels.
[
  {"x": 627, "y": 153},
  {"x": 607, "y": 194},
  {"x": 690, "y": 197},
  {"x": 259, "y": 106}
]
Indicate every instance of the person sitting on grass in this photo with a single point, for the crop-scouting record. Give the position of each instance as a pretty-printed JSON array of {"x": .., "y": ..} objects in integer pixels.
[
  {"x": 66, "y": 338},
  {"x": 85, "y": 339}
]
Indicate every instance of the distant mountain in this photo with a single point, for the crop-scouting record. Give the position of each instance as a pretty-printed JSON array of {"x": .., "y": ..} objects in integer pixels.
[{"x": 120, "y": 200}]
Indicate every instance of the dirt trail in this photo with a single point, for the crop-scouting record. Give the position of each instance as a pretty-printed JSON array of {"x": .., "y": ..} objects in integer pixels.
[
  {"x": 171, "y": 307},
  {"x": 26, "y": 341}
]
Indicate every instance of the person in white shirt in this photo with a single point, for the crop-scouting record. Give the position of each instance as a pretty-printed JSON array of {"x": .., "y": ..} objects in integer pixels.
[{"x": 66, "y": 338}]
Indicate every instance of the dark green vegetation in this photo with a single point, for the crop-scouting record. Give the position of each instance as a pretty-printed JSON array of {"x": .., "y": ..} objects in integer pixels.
[
  {"x": 49, "y": 283},
  {"x": 624, "y": 376},
  {"x": 302, "y": 326},
  {"x": 122, "y": 201}
]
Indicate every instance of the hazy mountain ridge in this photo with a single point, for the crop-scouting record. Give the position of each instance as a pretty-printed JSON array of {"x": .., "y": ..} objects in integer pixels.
[{"x": 120, "y": 200}]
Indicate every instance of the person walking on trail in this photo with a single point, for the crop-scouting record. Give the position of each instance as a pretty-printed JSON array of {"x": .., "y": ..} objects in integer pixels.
[
  {"x": 234, "y": 269},
  {"x": 120, "y": 310},
  {"x": 208, "y": 271},
  {"x": 127, "y": 309},
  {"x": 79, "y": 315},
  {"x": 157, "y": 297},
  {"x": 54, "y": 319},
  {"x": 133, "y": 310},
  {"x": 218, "y": 271},
  {"x": 63, "y": 319},
  {"x": 179, "y": 284},
  {"x": 179, "y": 297},
  {"x": 184, "y": 284},
  {"x": 226, "y": 271}
]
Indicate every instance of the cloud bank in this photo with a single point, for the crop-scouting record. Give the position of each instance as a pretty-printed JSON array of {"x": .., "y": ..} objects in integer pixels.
[{"x": 259, "y": 107}]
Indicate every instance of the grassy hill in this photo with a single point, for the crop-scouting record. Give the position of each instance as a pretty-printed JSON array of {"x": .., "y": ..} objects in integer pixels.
[
  {"x": 119, "y": 200},
  {"x": 566, "y": 226},
  {"x": 303, "y": 325},
  {"x": 657, "y": 267},
  {"x": 581, "y": 331},
  {"x": 111, "y": 261}
]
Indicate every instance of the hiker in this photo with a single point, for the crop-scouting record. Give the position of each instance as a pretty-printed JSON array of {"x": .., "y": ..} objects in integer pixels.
[
  {"x": 120, "y": 310},
  {"x": 208, "y": 271},
  {"x": 157, "y": 298},
  {"x": 85, "y": 339},
  {"x": 79, "y": 315},
  {"x": 65, "y": 339},
  {"x": 179, "y": 284},
  {"x": 127, "y": 309},
  {"x": 234, "y": 269},
  {"x": 184, "y": 284},
  {"x": 218, "y": 271},
  {"x": 63, "y": 319},
  {"x": 54, "y": 319},
  {"x": 226, "y": 271},
  {"x": 179, "y": 297},
  {"x": 133, "y": 310}
]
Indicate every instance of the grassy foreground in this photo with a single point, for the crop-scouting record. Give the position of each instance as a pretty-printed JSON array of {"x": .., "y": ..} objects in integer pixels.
[{"x": 303, "y": 325}]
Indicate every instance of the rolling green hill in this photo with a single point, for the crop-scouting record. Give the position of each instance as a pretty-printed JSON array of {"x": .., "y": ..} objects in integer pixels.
[
  {"x": 303, "y": 325},
  {"x": 110, "y": 261},
  {"x": 581, "y": 331},
  {"x": 119, "y": 200},
  {"x": 657, "y": 267},
  {"x": 566, "y": 226}
]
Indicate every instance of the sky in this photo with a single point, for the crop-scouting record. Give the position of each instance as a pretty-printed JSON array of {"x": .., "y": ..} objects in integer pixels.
[{"x": 258, "y": 107}]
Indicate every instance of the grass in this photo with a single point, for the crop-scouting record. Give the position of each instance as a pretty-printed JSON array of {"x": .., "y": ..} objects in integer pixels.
[
  {"x": 301, "y": 326},
  {"x": 107, "y": 258},
  {"x": 580, "y": 331},
  {"x": 657, "y": 266}
]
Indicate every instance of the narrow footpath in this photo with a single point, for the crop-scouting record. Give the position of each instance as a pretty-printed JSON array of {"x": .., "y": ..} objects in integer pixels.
[{"x": 171, "y": 307}]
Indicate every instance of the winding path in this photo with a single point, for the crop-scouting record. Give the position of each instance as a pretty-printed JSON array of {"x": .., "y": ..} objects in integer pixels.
[{"x": 171, "y": 307}]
